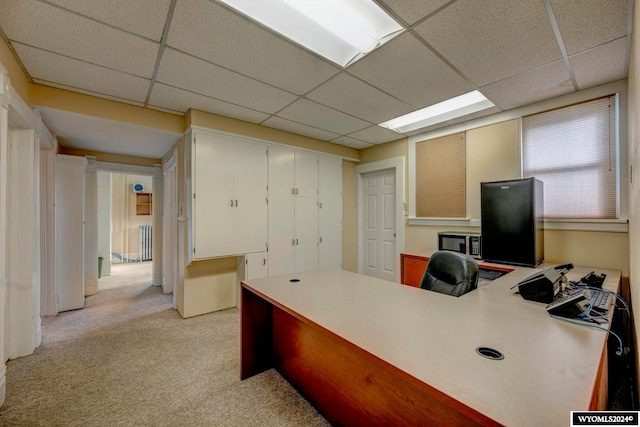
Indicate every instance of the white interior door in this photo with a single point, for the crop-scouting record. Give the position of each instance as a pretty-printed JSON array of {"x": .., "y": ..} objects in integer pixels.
[{"x": 379, "y": 223}]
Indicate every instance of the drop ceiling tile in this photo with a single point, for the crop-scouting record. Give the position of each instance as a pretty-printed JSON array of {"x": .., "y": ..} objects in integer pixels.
[
  {"x": 546, "y": 82},
  {"x": 47, "y": 66},
  {"x": 298, "y": 128},
  {"x": 193, "y": 74},
  {"x": 211, "y": 31},
  {"x": 88, "y": 92},
  {"x": 491, "y": 41},
  {"x": 352, "y": 96},
  {"x": 321, "y": 117},
  {"x": 587, "y": 24},
  {"x": 136, "y": 16},
  {"x": 352, "y": 143},
  {"x": 414, "y": 10},
  {"x": 376, "y": 135},
  {"x": 180, "y": 100},
  {"x": 602, "y": 64},
  {"x": 407, "y": 69},
  {"x": 50, "y": 28}
]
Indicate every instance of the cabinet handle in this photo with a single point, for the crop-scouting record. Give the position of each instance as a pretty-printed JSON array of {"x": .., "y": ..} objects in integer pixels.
[
  {"x": 320, "y": 239},
  {"x": 231, "y": 203},
  {"x": 293, "y": 190},
  {"x": 320, "y": 205},
  {"x": 296, "y": 242},
  {"x": 236, "y": 203},
  {"x": 296, "y": 191},
  {"x": 293, "y": 242},
  {"x": 264, "y": 261}
]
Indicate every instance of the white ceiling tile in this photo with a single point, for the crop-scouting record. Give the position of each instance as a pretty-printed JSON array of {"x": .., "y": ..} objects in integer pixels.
[
  {"x": 352, "y": 96},
  {"x": 50, "y": 28},
  {"x": 414, "y": 10},
  {"x": 602, "y": 64},
  {"x": 58, "y": 69},
  {"x": 542, "y": 83},
  {"x": 490, "y": 41},
  {"x": 407, "y": 69},
  {"x": 187, "y": 72},
  {"x": 352, "y": 143},
  {"x": 321, "y": 117},
  {"x": 179, "y": 100},
  {"x": 88, "y": 92},
  {"x": 298, "y": 128},
  {"x": 585, "y": 24},
  {"x": 137, "y": 16},
  {"x": 212, "y": 32},
  {"x": 376, "y": 135}
]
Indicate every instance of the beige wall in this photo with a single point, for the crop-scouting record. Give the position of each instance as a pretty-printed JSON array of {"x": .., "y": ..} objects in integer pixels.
[
  {"x": 493, "y": 154},
  {"x": 634, "y": 162}
]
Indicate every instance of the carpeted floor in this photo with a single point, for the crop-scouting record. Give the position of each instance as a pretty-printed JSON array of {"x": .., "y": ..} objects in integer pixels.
[
  {"x": 129, "y": 359},
  {"x": 127, "y": 274}
]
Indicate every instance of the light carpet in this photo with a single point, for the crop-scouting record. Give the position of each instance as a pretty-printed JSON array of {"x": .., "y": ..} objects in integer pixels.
[{"x": 129, "y": 359}]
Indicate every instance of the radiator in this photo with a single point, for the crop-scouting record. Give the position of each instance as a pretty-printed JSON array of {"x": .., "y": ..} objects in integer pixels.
[{"x": 145, "y": 242}]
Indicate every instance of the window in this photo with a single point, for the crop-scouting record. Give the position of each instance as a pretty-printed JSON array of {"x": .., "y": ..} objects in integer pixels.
[
  {"x": 440, "y": 177},
  {"x": 572, "y": 150}
]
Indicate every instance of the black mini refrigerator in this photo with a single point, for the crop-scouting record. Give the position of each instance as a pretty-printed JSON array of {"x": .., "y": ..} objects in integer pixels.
[{"x": 512, "y": 222}]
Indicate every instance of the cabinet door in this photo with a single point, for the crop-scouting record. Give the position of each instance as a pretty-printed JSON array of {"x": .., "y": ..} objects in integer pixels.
[
  {"x": 306, "y": 175},
  {"x": 213, "y": 186},
  {"x": 330, "y": 212},
  {"x": 250, "y": 204},
  {"x": 306, "y": 226},
  {"x": 281, "y": 212}
]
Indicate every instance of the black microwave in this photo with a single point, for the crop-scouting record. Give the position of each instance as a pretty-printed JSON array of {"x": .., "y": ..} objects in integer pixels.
[{"x": 466, "y": 243}]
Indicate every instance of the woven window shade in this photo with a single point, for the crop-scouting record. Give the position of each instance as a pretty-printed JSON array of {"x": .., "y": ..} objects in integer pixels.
[
  {"x": 573, "y": 152},
  {"x": 440, "y": 177}
]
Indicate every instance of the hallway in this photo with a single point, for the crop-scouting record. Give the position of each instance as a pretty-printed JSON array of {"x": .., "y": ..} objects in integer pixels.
[{"x": 127, "y": 274}]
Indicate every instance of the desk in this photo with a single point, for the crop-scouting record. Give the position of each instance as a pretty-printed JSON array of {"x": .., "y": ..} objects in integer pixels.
[{"x": 368, "y": 351}]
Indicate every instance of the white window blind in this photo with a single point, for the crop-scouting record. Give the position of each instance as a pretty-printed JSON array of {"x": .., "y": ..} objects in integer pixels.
[
  {"x": 441, "y": 177},
  {"x": 572, "y": 150}
]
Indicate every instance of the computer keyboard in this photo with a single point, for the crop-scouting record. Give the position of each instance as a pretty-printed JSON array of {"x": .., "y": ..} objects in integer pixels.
[
  {"x": 600, "y": 299},
  {"x": 485, "y": 276}
]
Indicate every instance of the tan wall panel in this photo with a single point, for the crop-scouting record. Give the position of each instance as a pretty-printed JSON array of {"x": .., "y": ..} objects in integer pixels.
[
  {"x": 209, "y": 286},
  {"x": 19, "y": 79},
  {"x": 385, "y": 151},
  {"x": 98, "y": 107},
  {"x": 493, "y": 154},
  {"x": 239, "y": 127},
  {"x": 110, "y": 157}
]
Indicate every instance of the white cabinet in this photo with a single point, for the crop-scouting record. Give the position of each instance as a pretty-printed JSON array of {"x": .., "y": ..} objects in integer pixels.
[
  {"x": 229, "y": 196},
  {"x": 293, "y": 211},
  {"x": 69, "y": 231},
  {"x": 330, "y": 212},
  {"x": 250, "y": 266}
]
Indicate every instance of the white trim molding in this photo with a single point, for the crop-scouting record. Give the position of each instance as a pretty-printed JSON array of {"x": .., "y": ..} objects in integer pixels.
[{"x": 90, "y": 227}]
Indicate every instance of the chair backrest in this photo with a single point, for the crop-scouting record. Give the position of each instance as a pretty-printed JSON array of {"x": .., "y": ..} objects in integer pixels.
[{"x": 450, "y": 273}]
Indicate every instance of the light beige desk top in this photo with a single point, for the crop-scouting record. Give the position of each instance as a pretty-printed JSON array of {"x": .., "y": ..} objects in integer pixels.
[{"x": 549, "y": 369}]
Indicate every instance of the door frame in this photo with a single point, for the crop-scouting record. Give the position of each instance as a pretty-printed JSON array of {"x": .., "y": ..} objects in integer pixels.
[
  {"x": 157, "y": 192},
  {"x": 398, "y": 165}
]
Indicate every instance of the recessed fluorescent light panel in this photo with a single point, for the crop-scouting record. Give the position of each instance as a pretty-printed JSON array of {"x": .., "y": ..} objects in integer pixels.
[
  {"x": 340, "y": 30},
  {"x": 440, "y": 112}
]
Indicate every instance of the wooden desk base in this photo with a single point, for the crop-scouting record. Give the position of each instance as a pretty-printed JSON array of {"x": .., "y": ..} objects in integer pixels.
[{"x": 347, "y": 385}]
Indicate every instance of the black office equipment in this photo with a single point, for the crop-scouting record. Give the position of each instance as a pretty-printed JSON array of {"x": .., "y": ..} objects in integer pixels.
[
  {"x": 450, "y": 273},
  {"x": 570, "y": 305},
  {"x": 512, "y": 222},
  {"x": 542, "y": 286}
]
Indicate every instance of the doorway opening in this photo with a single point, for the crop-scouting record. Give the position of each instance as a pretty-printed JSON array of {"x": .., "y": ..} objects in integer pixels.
[{"x": 125, "y": 230}]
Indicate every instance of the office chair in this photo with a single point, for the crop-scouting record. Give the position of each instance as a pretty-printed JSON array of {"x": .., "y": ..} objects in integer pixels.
[{"x": 450, "y": 273}]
